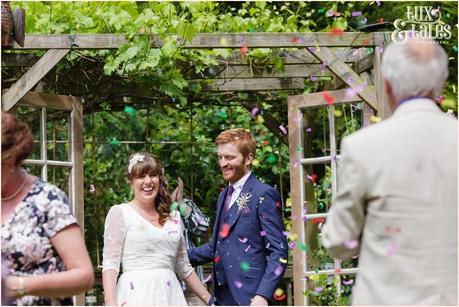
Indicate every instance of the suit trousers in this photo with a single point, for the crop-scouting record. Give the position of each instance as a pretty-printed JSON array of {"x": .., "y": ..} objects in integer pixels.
[{"x": 224, "y": 296}]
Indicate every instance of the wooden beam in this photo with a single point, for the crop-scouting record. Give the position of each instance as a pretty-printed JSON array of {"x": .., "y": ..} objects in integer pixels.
[
  {"x": 383, "y": 108},
  {"x": 31, "y": 77},
  {"x": 245, "y": 72},
  {"x": 212, "y": 40},
  {"x": 346, "y": 74},
  {"x": 255, "y": 84},
  {"x": 317, "y": 99},
  {"x": 51, "y": 101}
]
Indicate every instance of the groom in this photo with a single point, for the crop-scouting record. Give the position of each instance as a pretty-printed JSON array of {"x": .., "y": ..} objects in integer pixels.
[{"x": 248, "y": 249}]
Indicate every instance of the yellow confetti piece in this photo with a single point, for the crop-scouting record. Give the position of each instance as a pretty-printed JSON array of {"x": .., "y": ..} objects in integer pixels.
[
  {"x": 293, "y": 236},
  {"x": 338, "y": 113},
  {"x": 255, "y": 162},
  {"x": 223, "y": 42},
  {"x": 317, "y": 45},
  {"x": 375, "y": 119},
  {"x": 279, "y": 292},
  {"x": 314, "y": 277},
  {"x": 260, "y": 119},
  {"x": 282, "y": 260}
]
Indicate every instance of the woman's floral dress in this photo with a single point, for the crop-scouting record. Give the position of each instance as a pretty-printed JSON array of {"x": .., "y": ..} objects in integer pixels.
[{"x": 26, "y": 237}]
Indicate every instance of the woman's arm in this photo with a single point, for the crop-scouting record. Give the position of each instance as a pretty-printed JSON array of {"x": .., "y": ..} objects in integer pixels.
[
  {"x": 109, "y": 284},
  {"x": 77, "y": 278},
  {"x": 194, "y": 284}
]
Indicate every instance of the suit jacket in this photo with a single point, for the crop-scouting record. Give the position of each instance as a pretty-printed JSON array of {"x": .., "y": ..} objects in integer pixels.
[
  {"x": 397, "y": 197},
  {"x": 255, "y": 238}
]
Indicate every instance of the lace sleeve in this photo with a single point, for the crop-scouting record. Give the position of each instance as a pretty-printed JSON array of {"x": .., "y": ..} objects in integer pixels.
[
  {"x": 114, "y": 234},
  {"x": 183, "y": 267}
]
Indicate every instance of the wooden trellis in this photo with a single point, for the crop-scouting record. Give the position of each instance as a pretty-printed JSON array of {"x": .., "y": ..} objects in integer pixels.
[{"x": 319, "y": 54}]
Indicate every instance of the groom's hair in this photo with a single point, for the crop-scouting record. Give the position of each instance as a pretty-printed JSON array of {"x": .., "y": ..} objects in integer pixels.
[{"x": 242, "y": 138}]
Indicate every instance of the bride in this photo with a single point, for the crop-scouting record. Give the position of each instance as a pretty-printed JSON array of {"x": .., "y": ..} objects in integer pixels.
[{"x": 146, "y": 238}]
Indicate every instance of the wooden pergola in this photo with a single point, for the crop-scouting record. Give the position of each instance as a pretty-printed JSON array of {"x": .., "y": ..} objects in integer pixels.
[{"x": 319, "y": 54}]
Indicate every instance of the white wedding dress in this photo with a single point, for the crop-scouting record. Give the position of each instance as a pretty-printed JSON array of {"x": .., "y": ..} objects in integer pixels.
[{"x": 150, "y": 257}]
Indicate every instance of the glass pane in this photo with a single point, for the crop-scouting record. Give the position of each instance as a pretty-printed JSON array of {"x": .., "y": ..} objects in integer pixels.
[
  {"x": 31, "y": 116},
  {"x": 316, "y": 132},
  {"x": 33, "y": 169},
  {"x": 330, "y": 290},
  {"x": 57, "y": 135},
  {"x": 59, "y": 176},
  {"x": 348, "y": 119},
  {"x": 317, "y": 187}
]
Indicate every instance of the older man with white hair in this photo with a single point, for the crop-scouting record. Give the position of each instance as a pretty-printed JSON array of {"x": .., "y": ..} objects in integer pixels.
[{"x": 397, "y": 199}]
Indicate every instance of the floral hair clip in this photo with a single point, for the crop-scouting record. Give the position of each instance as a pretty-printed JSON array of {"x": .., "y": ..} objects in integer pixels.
[{"x": 135, "y": 158}]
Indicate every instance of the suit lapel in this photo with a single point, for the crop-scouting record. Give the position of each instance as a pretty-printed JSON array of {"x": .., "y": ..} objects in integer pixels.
[
  {"x": 234, "y": 211},
  {"x": 221, "y": 198}
]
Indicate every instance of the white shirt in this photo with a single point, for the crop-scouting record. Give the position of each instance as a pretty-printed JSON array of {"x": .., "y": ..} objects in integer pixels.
[{"x": 237, "y": 186}]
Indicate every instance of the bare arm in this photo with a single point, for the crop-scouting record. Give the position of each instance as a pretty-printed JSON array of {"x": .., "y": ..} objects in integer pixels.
[
  {"x": 78, "y": 277},
  {"x": 109, "y": 284},
  {"x": 194, "y": 284}
]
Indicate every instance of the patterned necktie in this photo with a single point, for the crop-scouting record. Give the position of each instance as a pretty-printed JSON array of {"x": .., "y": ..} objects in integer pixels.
[{"x": 229, "y": 193}]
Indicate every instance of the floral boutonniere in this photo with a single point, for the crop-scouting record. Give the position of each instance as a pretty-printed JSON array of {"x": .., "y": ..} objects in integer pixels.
[{"x": 242, "y": 201}]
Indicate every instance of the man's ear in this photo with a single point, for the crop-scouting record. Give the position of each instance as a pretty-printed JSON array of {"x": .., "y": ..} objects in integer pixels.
[
  {"x": 390, "y": 95},
  {"x": 249, "y": 159}
]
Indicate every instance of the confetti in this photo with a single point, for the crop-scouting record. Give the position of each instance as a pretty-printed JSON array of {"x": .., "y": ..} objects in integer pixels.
[
  {"x": 238, "y": 284},
  {"x": 262, "y": 233},
  {"x": 318, "y": 289},
  {"x": 260, "y": 119},
  {"x": 296, "y": 163},
  {"x": 348, "y": 282},
  {"x": 130, "y": 110},
  {"x": 375, "y": 119},
  {"x": 171, "y": 232},
  {"x": 279, "y": 270},
  {"x": 378, "y": 3},
  {"x": 336, "y": 31},
  {"x": 365, "y": 41},
  {"x": 223, "y": 114},
  {"x": 318, "y": 220},
  {"x": 92, "y": 188},
  {"x": 312, "y": 178},
  {"x": 299, "y": 149},
  {"x": 245, "y": 266},
  {"x": 455, "y": 48},
  {"x": 279, "y": 292},
  {"x": 302, "y": 246},
  {"x": 356, "y": 13},
  {"x": 174, "y": 206},
  {"x": 279, "y": 295},
  {"x": 294, "y": 40},
  {"x": 282, "y": 260},
  {"x": 292, "y": 245},
  {"x": 308, "y": 130},
  {"x": 338, "y": 113},
  {"x": 115, "y": 142},
  {"x": 217, "y": 259},
  {"x": 225, "y": 230},
  {"x": 208, "y": 278},
  {"x": 132, "y": 285},
  {"x": 244, "y": 50},
  {"x": 330, "y": 99},
  {"x": 223, "y": 41},
  {"x": 247, "y": 249},
  {"x": 243, "y": 240},
  {"x": 271, "y": 159},
  {"x": 175, "y": 221},
  {"x": 391, "y": 249},
  {"x": 182, "y": 209},
  {"x": 313, "y": 78},
  {"x": 254, "y": 111},
  {"x": 282, "y": 128},
  {"x": 351, "y": 244}
]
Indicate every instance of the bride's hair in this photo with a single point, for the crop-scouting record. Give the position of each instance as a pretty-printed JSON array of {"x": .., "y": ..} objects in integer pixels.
[{"x": 143, "y": 163}]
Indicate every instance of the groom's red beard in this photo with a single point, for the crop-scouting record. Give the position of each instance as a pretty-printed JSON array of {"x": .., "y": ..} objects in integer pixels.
[{"x": 235, "y": 172}]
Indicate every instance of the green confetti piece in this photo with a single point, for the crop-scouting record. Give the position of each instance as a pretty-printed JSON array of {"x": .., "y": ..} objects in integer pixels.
[
  {"x": 174, "y": 205},
  {"x": 245, "y": 266},
  {"x": 223, "y": 114},
  {"x": 271, "y": 159},
  {"x": 130, "y": 110},
  {"x": 182, "y": 208},
  {"x": 455, "y": 48},
  {"x": 115, "y": 142},
  {"x": 299, "y": 149},
  {"x": 321, "y": 10},
  {"x": 252, "y": 29},
  {"x": 301, "y": 245}
]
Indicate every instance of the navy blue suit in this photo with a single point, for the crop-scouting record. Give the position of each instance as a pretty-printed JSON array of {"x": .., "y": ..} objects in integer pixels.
[{"x": 254, "y": 241}]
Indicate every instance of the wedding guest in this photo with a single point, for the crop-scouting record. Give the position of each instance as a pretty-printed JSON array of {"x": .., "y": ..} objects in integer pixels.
[
  {"x": 397, "y": 196},
  {"x": 41, "y": 240}
]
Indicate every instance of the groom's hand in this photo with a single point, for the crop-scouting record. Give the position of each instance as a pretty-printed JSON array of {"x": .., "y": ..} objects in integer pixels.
[
  {"x": 211, "y": 301},
  {"x": 259, "y": 300}
]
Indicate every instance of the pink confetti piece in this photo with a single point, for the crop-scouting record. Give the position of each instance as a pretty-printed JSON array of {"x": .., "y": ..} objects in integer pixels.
[
  {"x": 238, "y": 284},
  {"x": 168, "y": 283},
  {"x": 247, "y": 248},
  {"x": 351, "y": 244},
  {"x": 282, "y": 128},
  {"x": 348, "y": 282},
  {"x": 132, "y": 285},
  {"x": 292, "y": 245},
  {"x": 313, "y": 78},
  {"x": 176, "y": 221},
  {"x": 268, "y": 245},
  {"x": 254, "y": 111},
  {"x": 296, "y": 163},
  {"x": 243, "y": 240},
  {"x": 208, "y": 278},
  {"x": 356, "y": 13},
  {"x": 378, "y": 3},
  {"x": 308, "y": 130},
  {"x": 171, "y": 232},
  {"x": 305, "y": 218},
  {"x": 279, "y": 270},
  {"x": 286, "y": 233},
  {"x": 391, "y": 249},
  {"x": 262, "y": 233},
  {"x": 318, "y": 289},
  {"x": 294, "y": 217}
]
